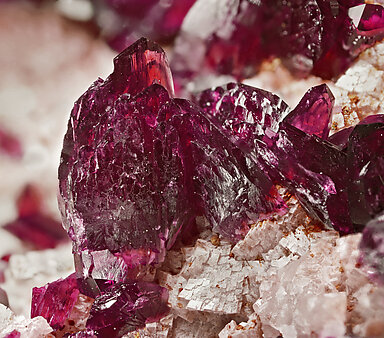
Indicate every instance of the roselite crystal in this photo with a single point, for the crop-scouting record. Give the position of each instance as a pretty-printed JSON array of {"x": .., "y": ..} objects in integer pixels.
[
  {"x": 313, "y": 113},
  {"x": 138, "y": 166},
  {"x": 124, "y": 307},
  {"x": 122, "y": 22},
  {"x": 321, "y": 37},
  {"x": 55, "y": 301},
  {"x": 9, "y": 144},
  {"x": 32, "y": 225},
  {"x": 112, "y": 163}
]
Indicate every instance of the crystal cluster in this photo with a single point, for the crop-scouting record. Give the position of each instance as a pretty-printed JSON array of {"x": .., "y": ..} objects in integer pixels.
[
  {"x": 139, "y": 168},
  {"x": 235, "y": 36},
  {"x": 122, "y": 22}
]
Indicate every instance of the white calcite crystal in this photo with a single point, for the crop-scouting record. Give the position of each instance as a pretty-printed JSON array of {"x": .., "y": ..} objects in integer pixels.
[
  {"x": 212, "y": 280},
  {"x": 249, "y": 329},
  {"x": 160, "y": 329},
  {"x": 265, "y": 235},
  {"x": 34, "y": 269},
  {"x": 291, "y": 294},
  {"x": 275, "y": 290},
  {"x": 28, "y": 328}
]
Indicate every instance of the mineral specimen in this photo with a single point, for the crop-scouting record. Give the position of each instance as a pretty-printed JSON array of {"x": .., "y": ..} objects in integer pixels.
[
  {"x": 138, "y": 166},
  {"x": 234, "y": 37}
]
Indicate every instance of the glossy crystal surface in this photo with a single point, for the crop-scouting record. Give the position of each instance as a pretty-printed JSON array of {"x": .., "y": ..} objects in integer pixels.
[
  {"x": 124, "y": 307},
  {"x": 55, "y": 301},
  {"x": 319, "y": 37},
  {"x": 313, "y": 113},
  {"x": 117, "y": 174}
]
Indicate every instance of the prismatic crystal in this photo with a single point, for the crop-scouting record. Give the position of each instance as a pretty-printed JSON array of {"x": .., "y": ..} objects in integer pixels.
[{"x": 138, "y": 166}]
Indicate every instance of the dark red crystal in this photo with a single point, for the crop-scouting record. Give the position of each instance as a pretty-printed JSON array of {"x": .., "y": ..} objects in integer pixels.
[
  {"x": 316, "y": 36},
  {"x": 313, "y": 113},
  {"x": 125, "y": 307},
  {"x": 366, "y": 172},
  {"x": 55, "y": 301},
  {"x": 33, "y": 225},
  {"x": 122, "y": 22},
  {"x": 119, "y": 175},
  {"x": 9, "y": 144}
]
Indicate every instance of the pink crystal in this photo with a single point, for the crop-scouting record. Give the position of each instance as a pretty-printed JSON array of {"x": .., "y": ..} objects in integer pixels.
[
  {"x": 13, "y": 334},
  {"x": 9, "y": 144},
  {"x": 55, "y": 301}
]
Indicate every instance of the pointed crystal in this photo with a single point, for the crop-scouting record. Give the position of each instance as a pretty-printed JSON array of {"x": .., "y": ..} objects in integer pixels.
[{"x": 313, "y": 113}]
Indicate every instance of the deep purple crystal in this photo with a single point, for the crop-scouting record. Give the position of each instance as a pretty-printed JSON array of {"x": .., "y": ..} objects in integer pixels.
[
  {"x": 366, "y": 172},
  {"x": 122, "y": 22},
  {"x": 316, "y": 36},
  {"x": 118, "y": 174},
  {"x": 257, "y": 122},
  {"x": 313, "y": 113},
  {"x": 372, "y": 248},
  {"x": 55, "y": 301},
  {"x": 33, "y": 225},
  {"x": 125, "y": 307}
]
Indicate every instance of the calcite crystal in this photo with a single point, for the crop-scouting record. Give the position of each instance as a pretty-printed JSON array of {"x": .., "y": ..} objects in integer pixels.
[
  {"x": 235, "y": 36},
  {"x": 372, "y": 248},
  {"x": 19, "y": 326}
]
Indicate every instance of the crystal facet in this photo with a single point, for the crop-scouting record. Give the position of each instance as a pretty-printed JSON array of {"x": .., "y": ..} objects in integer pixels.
[
  {"x": 313, "y": 113},
  {"x": 55, "y": 301},
  {"x": 124, "y": 307},
  {"x": 234, "y": 37}
]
